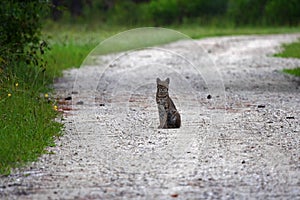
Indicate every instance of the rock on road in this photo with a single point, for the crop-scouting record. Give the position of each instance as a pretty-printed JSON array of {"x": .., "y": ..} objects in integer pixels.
[{"x": 239, "y": 137}]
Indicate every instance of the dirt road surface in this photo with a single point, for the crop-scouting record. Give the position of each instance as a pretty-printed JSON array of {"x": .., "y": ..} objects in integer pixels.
[{"x": 240, "y": 134}]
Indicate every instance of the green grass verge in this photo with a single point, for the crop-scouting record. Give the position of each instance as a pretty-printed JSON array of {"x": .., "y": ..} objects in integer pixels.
[
  {"x": 26, "y": 116},
  {"x": 64, "y": 56},
  {"x": 197, "y": 32},
  {"x": 291, "y": 51},
  {"x": 295, "y": 72}
]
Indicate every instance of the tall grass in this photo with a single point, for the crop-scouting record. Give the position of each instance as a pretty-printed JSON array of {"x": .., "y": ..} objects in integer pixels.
[
  {"x": 26, "y": 116},
  {"x": 64, "y": 56}
]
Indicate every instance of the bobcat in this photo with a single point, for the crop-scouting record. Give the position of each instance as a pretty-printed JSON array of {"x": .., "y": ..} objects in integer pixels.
[{"x": 169, "y": 117}]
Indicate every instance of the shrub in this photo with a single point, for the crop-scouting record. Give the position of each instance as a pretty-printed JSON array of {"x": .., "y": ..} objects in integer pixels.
[{"x": 20, "y": 25}]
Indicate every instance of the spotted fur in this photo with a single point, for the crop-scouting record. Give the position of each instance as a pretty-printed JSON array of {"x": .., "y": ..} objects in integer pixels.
[{"x": 169, "y": 117}]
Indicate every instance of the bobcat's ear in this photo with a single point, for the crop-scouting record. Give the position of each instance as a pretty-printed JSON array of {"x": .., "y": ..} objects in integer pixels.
[
  {"x": 168, "y": 80},
  {"x": 158, "y": 80}
]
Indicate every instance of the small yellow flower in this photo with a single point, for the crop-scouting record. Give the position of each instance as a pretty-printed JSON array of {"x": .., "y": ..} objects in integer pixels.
[
  {"x": 9, "y": 94},
  {"x": 55, "y": 107},
  {"x": 46, "y": 95},
  {"x": 17, "y": 84}
]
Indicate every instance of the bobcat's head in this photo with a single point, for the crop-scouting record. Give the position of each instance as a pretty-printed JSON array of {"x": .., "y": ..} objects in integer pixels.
[
  {"x": 164, "y": 83},
  {"x": 162, "y": 87}
]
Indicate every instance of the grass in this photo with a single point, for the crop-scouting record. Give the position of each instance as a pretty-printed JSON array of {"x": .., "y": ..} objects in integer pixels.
[
  {"x": 197, "y": 32},
  {"x": 71, "y": 43},
  {"x": 64, "y": 56},
  {"x": 291, "y": 51},
  {"x": 295, "y": 72},
  {"x": 27, "y": 117}
]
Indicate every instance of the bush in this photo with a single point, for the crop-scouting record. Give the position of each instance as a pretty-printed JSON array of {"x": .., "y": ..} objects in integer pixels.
[{"x": 20, "y": 26}]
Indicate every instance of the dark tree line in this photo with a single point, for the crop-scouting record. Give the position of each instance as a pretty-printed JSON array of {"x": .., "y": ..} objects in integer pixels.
[
  {"x": 160, "y": 12},
  {"x": 270, "y": 12}
]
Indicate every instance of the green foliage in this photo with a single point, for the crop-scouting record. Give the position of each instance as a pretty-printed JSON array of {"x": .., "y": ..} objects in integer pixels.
[
  {"x": 196, "y": 32},
  {"x": 26, "y": 116},
  {"x": 70, "y": 44},
  {"x": 245, "y": 11},
  {"x": 164, "y": 11},
  {"x": 202, "y": 12},
  {"x": 125, "y": 12},
  {"x": 295, "y": 72},
  {"x": 280, "y": 12},
  {"x": 264, "y": 12},
  {"x": 64, "y": 56},
  {"x": 20, "y": 25},
  {"x": 290, "y": 50}
]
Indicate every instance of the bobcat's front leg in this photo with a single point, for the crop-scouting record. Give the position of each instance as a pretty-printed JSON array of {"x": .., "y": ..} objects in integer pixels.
[{"x": 162, "y": 117}]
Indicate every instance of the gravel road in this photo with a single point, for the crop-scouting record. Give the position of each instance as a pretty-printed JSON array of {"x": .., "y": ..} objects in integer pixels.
[{"x": 240, "y": 134}]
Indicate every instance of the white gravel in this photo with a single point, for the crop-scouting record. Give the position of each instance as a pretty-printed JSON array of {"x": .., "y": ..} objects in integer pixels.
[{"x": 242, "y": 143}]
